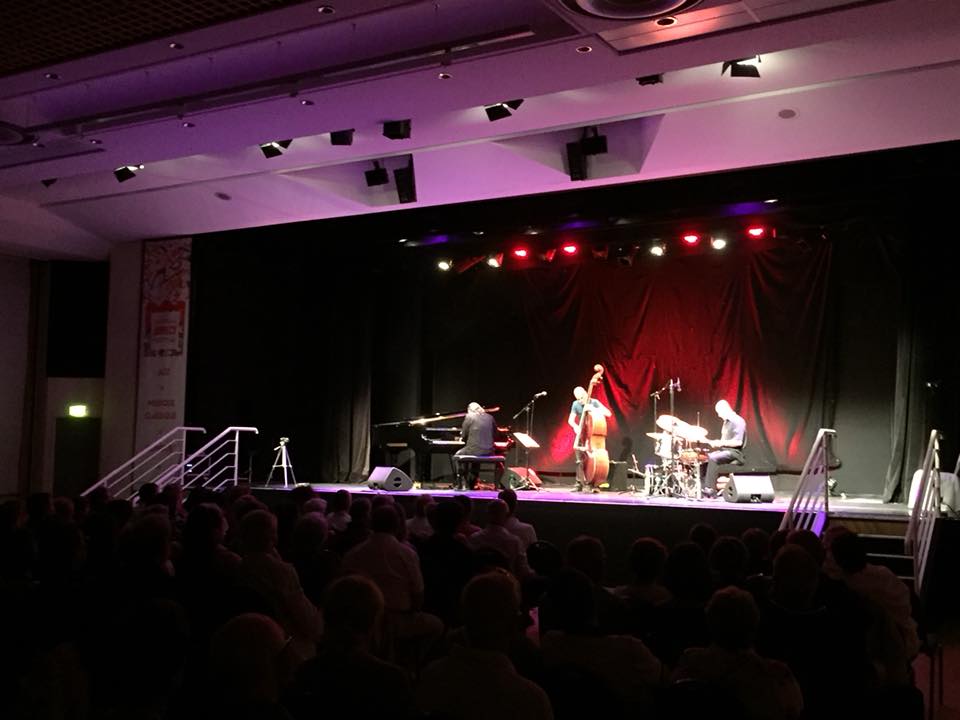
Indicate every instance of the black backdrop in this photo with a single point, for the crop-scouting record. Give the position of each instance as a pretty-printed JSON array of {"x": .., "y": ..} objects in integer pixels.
[{"x": 316, "y": 330}]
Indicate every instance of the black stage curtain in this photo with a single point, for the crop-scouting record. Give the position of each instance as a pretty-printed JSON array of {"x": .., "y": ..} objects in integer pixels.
[
  {"x": 280, "y": 339},
  {"x": 747, "y": 326}
]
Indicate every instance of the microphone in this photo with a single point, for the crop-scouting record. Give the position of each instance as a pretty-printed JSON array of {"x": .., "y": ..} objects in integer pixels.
[
  {"x": 678, "y": 388},
  {"x": 542, "y": 393}
]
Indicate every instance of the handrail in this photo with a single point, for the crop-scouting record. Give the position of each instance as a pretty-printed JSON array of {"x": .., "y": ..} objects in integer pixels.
[
  {"x": 810, "y": 505},
  {"x": 148, "y": 465},
  {"x": 926, "y": 509},
  {"x": 225, "y": 447}
]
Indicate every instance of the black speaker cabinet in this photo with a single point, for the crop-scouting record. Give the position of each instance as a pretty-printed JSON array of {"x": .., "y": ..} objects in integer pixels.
[
  {"x": 389, "y": 478},
  {"x": 749, "y": 488}
]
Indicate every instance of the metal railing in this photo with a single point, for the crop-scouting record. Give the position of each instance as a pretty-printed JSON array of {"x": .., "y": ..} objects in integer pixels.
[
  {"x": 212, "y": 466},
  {"x": 810, "y": 505},
  {"x": 161, "y": 456},
  {"x": 926, "y": 509}
]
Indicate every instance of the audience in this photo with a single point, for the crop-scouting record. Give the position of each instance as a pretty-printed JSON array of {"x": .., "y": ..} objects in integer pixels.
[{"x": 188, "y": 607}]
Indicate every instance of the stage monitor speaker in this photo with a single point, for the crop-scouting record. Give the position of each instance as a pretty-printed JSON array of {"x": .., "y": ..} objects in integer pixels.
[
  {"x": 576, "y": 162},
  {"x": 389, "y": 478},
  {"x": 516, "y": 478},
  {"x": 749, "y": 488}
]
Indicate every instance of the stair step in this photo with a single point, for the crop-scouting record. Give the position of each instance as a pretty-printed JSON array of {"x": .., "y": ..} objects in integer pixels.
[
  {"x": 898, "y": 562},
  {"x": 886, "y": 544}
]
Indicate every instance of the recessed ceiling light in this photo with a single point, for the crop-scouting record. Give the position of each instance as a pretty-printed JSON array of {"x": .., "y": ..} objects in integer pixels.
[
  {"x": 771, "y": 201},
  {"x": 787, "y": 113},
  {"x": 51, "y": 76},
  {"x": 306, "y": 102},
  {"x": 94, "y": 141},
  {"x": 478, "y": 233},
  {"x": 444, "y": 76},
  {"x": 187, "y": 124},
  {"x": 37, "y": 144},
  {"x": 175, "y": 46},
  {"x": 402, "y": 240},
  {"x": 667, "y": 21},
  {"x": 584, "y": 49},
  {"x": 326, "y": 9},
  {"x": 222, "y": 196}
]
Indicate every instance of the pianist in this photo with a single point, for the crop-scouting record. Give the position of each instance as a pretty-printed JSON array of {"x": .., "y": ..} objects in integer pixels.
[{"x": 477, "y": 434}]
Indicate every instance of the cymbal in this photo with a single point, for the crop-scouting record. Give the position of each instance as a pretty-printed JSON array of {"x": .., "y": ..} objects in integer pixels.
[
  {"x": 695, "y": 433},
  {"x": 658, "y": 436},
  {"x": 668, "y": 422}
]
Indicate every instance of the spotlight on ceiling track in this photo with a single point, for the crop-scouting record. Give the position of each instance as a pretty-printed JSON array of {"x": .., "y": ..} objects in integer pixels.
[
  {"x": 650, "y": 79},
  {"x": 592, "y": 142},
  {"x": 658, "y": 249},
  {"x": 495, "y": 261},
  {"x": 47, "y": 182},
  {"x": 569, "y": 249},
  {"x": 757, "y": 231},
  {"x": 126, "y": 172},
  {"x": 444, "y": 265},
  {"x": 274, "y": 148},
  {"x": 341, "y": 137},
  {"x": 377, "y": 176},
  {"x": 521, "y": 252},
  {"x": 691, "y": 238},
  {"x": 396, "y": 129},
  {"x": 744, "y": 67},
  {"x": 718, "y": 243},
  {"x": 406, "y": 183},
  {"x": 501, "y": 110}
]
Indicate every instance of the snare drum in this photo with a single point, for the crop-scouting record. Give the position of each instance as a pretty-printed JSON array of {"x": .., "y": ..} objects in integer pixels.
[{"x": 689, "y": 457}]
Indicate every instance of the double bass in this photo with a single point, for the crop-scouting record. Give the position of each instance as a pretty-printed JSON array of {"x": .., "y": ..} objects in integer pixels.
[{"x": 591, "y": 440}]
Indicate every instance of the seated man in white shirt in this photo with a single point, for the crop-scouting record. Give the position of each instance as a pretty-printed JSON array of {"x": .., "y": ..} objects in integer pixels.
[
  {"x": 496, "y": 537},
  {"x": 524, "y": 531}
]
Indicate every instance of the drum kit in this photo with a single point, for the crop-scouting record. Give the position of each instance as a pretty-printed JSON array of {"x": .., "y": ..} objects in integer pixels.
[{"x": 681, "y": 448}]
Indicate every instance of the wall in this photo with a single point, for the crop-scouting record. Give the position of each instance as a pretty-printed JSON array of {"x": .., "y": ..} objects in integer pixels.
[
  {"x": 120, "y": 373},
  {"x": 14, "y": 359}
]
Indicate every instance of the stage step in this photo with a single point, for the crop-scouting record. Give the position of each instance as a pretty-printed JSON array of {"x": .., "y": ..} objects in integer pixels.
[
  {"x": 900, "y": 564},
  {"x": 884, "y": 544}
]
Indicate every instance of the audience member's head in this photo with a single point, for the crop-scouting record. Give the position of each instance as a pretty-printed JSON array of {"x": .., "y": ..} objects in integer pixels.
[
  {"x": 571, "y": 601},
  {"x": 148, "y": 494},
  {"x": 310, "y": 534},
  {"x": 98, "y": 497},
  {"x": 467, "y": 504},
  {"x": 385, "y": 519},
  {"x": 258, "y": 532},
  {"x": 81, "y": 509},
  {"x": 382, "y": 499},
  {"x": 544, "y": 558},
  {"x": 172, "y": 497},
  {"x": 205, "y": 528},
  {"x": 247, "y": 660},
  {"x": 587, "y": 554},
  {"x": 301, "y": 494},
  {"x": 360, "y": 515},
  {"x": 795, "y": 577},
  {"x": 687, "y": 574},
  {"x": 777, "y": 541},
  {"x": 757, "y": 542},
  {"x": 39, "y": 507},
  {"x": 245, "y": 504},
  {"x": 509, "y": 496},
  {"x": 63, "y": 508},
  {"x": 497, "y": 512},
  {"x": 352, "y": 607},
  {"x": 703, "y": 535},
  {"x": 849, "y": 552},
  {"x": 422, "y": 506},
  {"x": 340, "y": 502},
  {"x": 446, "y": 518},
  {"x": 809, "y": 541},
  {"x": 314, "y": 505},
  {"x": 60, "y": 550},
  {"x": 648, "y": 557},
  {"x": 732, "y": 618},
  {"x": 145, "y": 543},
  {"x": 490, "y": 607},
  {"x": 728, "y": 561}
]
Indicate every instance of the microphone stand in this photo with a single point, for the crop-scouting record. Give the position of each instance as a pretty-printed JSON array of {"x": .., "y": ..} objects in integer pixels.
[{"x": 529, "y": 410}]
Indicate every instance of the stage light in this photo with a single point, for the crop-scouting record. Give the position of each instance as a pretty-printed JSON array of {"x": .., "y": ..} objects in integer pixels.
[
  {"x": 718, "y": 243},
  {"x": 396, "y": 129},
  {"x": 756, "y": 231},
  {"x": 48, "y": 182},
  {"x": 649, "y": 80},
  {"x": 658, "y": 249},
  {"x": 744, "y": 67},
  {"x": 771, "y": 201},
  {"x": 691, "y": 238},
  {"x": 274, "y": 148},
  {"x": 592, "y": 142},
  {"x": 126, "y": 172},
  {"x": 495, "y": 261},
  {"x": 377, "y": 176},
  {"x": 521, "y": 252},
  {"x": 406, "y": 182},
  {"x": 548, "y": 255},
  {"x": 444, "y": 265},
  {"x": 77, "y": 411},
  {"x": 341, "y": 137},
  {"x": 501, "y": 110},
  {"x": 569, "y": 249}
]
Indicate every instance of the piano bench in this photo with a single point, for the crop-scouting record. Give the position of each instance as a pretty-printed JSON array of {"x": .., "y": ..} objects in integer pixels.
[{"x": 464, "y": 462}]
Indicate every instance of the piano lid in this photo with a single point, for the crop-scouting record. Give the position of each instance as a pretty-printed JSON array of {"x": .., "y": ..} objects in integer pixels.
[{"x": 427, "y": 420}]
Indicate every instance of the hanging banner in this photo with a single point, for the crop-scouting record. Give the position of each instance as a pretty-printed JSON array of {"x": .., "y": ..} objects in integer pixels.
[{"x": 165, "y": 305}]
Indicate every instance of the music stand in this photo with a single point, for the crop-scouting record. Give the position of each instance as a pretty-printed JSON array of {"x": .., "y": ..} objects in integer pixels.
[{"x": 528, "y": 444}]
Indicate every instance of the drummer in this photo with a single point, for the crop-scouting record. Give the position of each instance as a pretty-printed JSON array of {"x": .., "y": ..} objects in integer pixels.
[{"x": 729, "y": 447}]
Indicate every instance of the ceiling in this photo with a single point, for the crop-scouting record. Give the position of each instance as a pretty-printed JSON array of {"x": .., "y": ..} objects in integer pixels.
[{"x": 192, "y": 101}]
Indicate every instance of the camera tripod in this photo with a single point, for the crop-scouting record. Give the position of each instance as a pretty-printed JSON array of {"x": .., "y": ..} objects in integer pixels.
[{"x": 282, "y": 461}]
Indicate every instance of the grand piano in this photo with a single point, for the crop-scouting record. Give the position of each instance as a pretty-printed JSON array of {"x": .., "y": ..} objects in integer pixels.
[{"x": 426, "y": 439}]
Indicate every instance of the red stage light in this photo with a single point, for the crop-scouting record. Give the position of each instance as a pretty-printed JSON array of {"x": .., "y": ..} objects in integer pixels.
[
  {"x": 756, "y": 231},
  {"x": 569, "y": 249},
  {"x": 520, "y": 252},
  {"x": 691, "y": 238}
]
